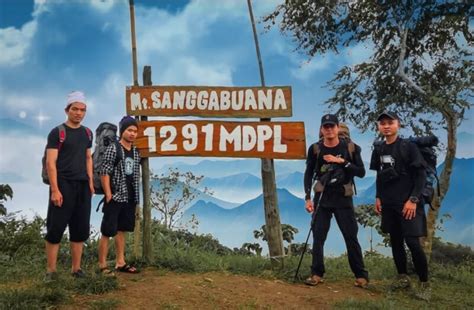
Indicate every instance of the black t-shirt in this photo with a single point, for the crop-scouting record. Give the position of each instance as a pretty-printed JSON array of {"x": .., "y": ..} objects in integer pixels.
[
  {"x": 408, "y": 166},
  {"x": 71, "y": 162},
  {"x": 128, "y": 163}
]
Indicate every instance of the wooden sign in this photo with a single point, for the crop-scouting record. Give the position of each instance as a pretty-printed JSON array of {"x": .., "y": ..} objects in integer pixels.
[
  {"x": 202, "y": 101},
  {"x": 279, "y": 140}
]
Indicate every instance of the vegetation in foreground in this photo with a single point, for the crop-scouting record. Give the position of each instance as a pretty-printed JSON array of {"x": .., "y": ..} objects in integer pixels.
[{"x": 22, "y": 264}]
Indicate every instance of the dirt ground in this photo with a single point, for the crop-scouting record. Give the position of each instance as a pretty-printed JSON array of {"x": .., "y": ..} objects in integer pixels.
[{"x": 155, "y": 289}]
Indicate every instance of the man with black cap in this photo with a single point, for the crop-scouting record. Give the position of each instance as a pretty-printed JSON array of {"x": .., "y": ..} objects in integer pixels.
[
  {"x": 69, "y": 174},
  {"x": 400, "y": 180},
  {"x": 333, "y": 162},
  {"x": 120, "y": 182}
]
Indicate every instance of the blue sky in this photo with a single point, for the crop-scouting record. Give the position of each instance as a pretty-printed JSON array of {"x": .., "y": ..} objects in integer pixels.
[{"x": 51, "y": 47}]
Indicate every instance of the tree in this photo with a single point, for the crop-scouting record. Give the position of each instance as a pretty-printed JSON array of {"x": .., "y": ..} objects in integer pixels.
[
  {"x": 252, "y": 247},
  {"x": 420, "y": 65},
  {"x": 171, "y": 194},
  {"x": 288, "y": 233},
  {"x": 5, "y": 193}
]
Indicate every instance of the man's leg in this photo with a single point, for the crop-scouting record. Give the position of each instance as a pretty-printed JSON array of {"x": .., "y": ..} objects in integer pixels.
[
  {"x": 321, "y": 227},
  {"x": 51, "y": 256},
  {"x": 76, "y": 255},
  {"x": 103, "y": 250},
  {"x": 120, "y": 249},
  {"x": 347, "y": 223},
  {"x": 419, "y": 257}
]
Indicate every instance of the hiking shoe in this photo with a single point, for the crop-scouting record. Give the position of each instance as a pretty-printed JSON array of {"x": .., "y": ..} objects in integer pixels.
[
  {"x": 50, "y": 277},
  {"x": 401, "y": 282},
  {"x": 424, "y": 291},
  {"x": 79, "y": 274},
  {"x": 362, "y": 283}
]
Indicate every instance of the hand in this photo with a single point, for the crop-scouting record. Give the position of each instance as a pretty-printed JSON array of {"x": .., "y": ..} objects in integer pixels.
[
  {"x": 108, "y": 197},
  {"x": 309, "y": 206},
  {"x": 333, "y": 159},
  {"x": 91, "y": 187},
  {"x": 57, "y": 198},
  {"x": 409, "y": 210},
  {"x": 378, "y": 206}
]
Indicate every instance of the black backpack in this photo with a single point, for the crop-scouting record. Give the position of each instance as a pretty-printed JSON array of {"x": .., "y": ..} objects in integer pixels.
[
  {"x": 426, "y": 145},
  {"x": 106, "y": 134},
  {"x": 62, "y": 138}
]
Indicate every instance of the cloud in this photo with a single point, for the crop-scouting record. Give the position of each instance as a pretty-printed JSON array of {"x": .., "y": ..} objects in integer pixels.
[{"x": 14, "y": 43}]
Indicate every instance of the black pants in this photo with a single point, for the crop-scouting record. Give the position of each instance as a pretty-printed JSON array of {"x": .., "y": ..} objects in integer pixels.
[
  {"x": 347, "y": 223},
  {"x": 417, "y": 254}
]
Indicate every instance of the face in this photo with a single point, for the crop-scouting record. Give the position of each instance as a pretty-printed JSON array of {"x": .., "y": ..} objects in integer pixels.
[
  {"x": 388, "y": 127},
  {"x": 130, "y": 134},
  {"x": 330, "y": 131},
  {"x": 76, "y": 112}
]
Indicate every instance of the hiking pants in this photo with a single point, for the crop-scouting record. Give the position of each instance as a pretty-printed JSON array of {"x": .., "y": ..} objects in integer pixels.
[
  {"x": 347, "y": 223},
  {"x": 417, "y": 254}
]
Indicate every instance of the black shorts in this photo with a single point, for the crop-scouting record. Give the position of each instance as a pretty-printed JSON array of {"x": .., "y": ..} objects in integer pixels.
[
  {"x": 118, "y": 216},
  {"x": 394, "y": 222},
  {"x": 75, "y": 212}
]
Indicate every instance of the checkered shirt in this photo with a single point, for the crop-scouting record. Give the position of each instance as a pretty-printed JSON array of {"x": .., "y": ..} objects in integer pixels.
[{"x": 117, "y": 173}]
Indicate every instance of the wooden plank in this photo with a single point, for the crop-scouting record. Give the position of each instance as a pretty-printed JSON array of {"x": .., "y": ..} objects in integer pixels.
[
  {"x": 279, "y": 140},
  {"x": 209, "y": 101}
]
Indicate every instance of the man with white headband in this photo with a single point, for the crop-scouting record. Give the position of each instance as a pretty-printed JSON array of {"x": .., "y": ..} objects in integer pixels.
[{"x": 69, "y": 169}]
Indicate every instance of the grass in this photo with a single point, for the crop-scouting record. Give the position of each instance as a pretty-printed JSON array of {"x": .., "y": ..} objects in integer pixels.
[{"x": 22, "y": 268}]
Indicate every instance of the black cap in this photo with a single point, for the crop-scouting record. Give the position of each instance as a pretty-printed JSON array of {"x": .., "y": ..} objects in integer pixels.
[
  {"x": 329, "y": 119},
  {"x": 387, "y": 114},
  {"x": 126, "y": 122}
]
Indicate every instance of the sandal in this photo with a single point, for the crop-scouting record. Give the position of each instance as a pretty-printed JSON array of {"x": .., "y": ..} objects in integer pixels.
[
  {"x": 105, "y": 271},
  {"x": 127, "y": 269},
  {"x": 313, "y": 280}
]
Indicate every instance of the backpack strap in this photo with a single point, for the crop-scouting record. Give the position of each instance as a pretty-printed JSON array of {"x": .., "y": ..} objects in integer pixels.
[
  {"x": 119, "y": 152},
  {"x": 62, "y": 136},
  {"x": 89, "y": 133}
]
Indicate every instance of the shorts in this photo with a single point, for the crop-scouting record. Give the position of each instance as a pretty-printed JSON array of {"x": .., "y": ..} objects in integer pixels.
[
  {"x": 118, "y": 216},
  {"x": 75, "y": 212},
  {"x": 394, "y": 222}
]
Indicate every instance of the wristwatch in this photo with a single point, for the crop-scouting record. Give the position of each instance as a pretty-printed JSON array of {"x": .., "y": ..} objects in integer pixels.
[{"x": 414, "y": 199}]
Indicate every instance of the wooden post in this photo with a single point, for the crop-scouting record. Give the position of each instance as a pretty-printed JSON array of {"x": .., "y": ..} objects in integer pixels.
[
  {"x": 136, "y": 232},
  {"x": 147, "y": 244},
  {"x": 270, "y": 198}
]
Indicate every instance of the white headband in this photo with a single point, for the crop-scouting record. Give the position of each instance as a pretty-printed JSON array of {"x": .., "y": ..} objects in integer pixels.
[{"x": 76, "y": 96}]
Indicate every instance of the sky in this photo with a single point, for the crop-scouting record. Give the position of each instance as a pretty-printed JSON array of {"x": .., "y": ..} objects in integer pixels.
[{"x": 52, "y": 47}]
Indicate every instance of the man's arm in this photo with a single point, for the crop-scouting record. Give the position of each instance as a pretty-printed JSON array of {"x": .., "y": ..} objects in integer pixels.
[
  {"x": 355, "y": 168},
  {"x": 51, "y": 158},
  {"x": 89, "y": 167},
  {"x": 309, "y": 172},
  {"x": 106, "y": 170}
]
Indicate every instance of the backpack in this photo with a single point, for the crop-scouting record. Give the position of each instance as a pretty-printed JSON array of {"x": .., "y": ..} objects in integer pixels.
[
  {"x": 345, "y": 137},
  {"x": 62, "y": 138},
  {"x": 426, "y": 145},
  {"x": 106, "y": 134}
]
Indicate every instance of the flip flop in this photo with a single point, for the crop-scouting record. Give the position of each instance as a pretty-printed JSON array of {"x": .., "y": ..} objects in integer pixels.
[
  {"x": 313, "y": 282},
  {"x": 105, "y": 271},
  {"x": 362, "y": 283},
  {"x": 127, "y": 269}
]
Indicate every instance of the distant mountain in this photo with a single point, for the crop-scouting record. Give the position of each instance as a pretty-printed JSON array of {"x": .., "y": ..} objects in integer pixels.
[{"x": 235, "y": 188}]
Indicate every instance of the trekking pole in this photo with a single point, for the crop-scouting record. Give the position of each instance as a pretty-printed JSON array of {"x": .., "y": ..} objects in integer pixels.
[{"x": 313, "y": 216}]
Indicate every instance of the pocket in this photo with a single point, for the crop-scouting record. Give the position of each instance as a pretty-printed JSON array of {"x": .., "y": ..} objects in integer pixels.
[
  {"x": 348, "y": 189},
  {"x": 318, "y": 187}
]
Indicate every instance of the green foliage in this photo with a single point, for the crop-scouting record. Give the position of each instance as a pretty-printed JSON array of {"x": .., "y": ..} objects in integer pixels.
[
  {"x": 367, "y": 217},
  {"x": 449, "y": 253},
  {"x": 104, "y": 304},
  {"x": 33, "y": 297},
  {"x": 5, "y": 193}
]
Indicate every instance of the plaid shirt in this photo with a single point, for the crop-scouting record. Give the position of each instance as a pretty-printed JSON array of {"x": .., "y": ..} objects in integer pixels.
[{"x": 117, "y": 173}]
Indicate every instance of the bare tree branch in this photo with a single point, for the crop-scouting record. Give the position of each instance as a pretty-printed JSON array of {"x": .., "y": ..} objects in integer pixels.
[{"x": 401, "y": 65}]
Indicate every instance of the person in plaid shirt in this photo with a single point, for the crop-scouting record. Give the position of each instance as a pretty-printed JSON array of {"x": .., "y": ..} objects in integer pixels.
[{"x": 120, "y": 182}]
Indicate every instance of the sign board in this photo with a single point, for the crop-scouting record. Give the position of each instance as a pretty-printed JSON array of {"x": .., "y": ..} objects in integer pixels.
[
  {"x": 279, "y": 140},
  {"x": 204, "y": 101}
]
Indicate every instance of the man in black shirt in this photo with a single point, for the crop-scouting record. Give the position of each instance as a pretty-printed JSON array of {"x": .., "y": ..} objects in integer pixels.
[
  {"x": 334, "y": 162},
  {"x": 120, "y": 181},
  {"x": 400, "y": 180},
  {"x": 69, "y": 168}
]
